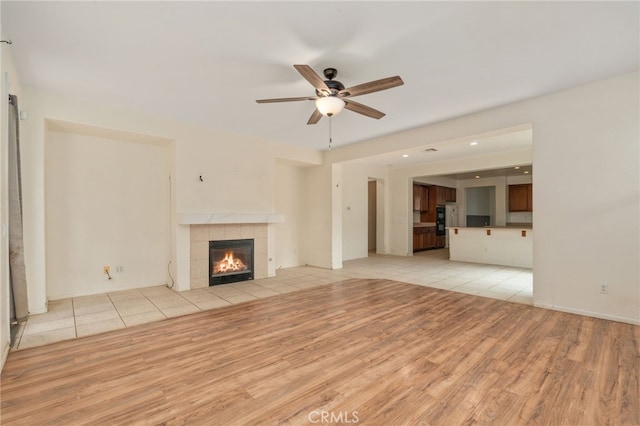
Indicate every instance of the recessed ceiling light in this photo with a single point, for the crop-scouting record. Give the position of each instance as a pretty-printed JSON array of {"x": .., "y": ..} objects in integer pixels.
[
  {"x": 477, "y": 177},
  {"x": 516, "y": 167},
  {"x": 526, "y": 172},
  {"x": 474, "y": 143},
  {"x": 405, "y": 155}
]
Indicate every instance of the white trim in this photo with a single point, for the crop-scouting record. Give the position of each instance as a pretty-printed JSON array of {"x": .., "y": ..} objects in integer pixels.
[
  {"x": 228, "y": 218},
  {"x": 634, "y": 321},
  {"x": 41, "y": 310}
]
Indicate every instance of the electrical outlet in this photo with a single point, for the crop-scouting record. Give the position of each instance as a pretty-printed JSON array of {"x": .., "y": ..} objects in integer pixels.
[
  {"x": 107, "y": 269},
  {"x": 120, "y": 268},
  {"x": 604, "y": 288}
]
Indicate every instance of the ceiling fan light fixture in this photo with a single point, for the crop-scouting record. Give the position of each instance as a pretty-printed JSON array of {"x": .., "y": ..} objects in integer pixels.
[{"x": 330, "y": 105}]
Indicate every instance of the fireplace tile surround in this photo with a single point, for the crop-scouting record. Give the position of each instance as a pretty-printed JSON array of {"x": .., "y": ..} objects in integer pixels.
[{"x": 203, "y": 233}]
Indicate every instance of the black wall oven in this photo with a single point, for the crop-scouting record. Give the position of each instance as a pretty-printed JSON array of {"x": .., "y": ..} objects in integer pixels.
[{"x": 440, "y": 220}]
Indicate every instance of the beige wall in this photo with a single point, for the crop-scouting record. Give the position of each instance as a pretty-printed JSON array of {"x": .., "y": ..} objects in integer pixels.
[
  {"x": 106, "y": 203},
  {"x": 291, "y": 197},
  {"x": 320, "y": 228},
  {"x": 355, "y": 207}
]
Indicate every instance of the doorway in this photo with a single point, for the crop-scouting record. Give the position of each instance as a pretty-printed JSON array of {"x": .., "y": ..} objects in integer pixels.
[{"x": 375, "y": 216}]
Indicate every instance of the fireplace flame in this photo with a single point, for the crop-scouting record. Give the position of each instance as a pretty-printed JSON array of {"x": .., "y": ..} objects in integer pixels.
[{"x": 229, "y": 264}]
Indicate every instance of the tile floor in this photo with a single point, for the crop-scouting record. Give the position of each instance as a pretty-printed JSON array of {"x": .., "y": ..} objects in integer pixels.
[{"x": 86, "y": 315}]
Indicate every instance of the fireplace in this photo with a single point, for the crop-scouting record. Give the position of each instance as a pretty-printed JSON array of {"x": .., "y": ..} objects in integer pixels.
[
  {"x": 230, "y": 261},
  {"x": 202, "y": 234}
]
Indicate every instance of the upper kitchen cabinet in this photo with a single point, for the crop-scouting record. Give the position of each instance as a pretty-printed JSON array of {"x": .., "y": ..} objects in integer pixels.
[
  {"x": 521, "y": 197},
  {"x": 442, "y": 195},
  {"x": 420, "y": 198},
  {"x": 434, "y": 196},
  {"x": 450, "y": 195}
]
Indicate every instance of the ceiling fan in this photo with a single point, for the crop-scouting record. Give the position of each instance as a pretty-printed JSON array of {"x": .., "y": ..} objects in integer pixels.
[{"x": 331, "y": 95}]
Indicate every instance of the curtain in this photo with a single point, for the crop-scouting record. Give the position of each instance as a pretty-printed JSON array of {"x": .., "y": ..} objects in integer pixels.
[{"x": 16, "y": 244}]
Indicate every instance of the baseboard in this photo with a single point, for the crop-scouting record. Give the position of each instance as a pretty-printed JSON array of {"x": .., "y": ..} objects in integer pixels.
[
  {"x": 39, "y": 310},
  {"x": 600, "y": 315}
]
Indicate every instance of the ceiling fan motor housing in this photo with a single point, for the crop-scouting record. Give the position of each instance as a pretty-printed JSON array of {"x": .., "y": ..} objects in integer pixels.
[{"x": 334, "y": 87}]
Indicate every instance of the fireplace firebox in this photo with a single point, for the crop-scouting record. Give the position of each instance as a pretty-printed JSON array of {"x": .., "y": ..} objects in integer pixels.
[{"x": 230, "y": 261}]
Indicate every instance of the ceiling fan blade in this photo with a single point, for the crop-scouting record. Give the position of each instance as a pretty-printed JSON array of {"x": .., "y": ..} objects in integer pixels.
[
  {"x": 363, "y": 109},
  {"x": 372, "y": 86},
  {"x": 312, "y": 77},
  {"x": 315, "y": 117},
  {"x": 303, "y": 98}
]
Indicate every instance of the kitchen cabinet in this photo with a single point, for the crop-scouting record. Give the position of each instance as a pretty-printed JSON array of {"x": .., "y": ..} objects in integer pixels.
[
  {"x": 441, "y": 195},
  {"x": 424, "y": 238},
  {"x": 416, "y": 197},
  {"x": 435, "y": 198},
  {"x": 438, "y": 196},
  {"x": 431, "y": 239},
  {"x": 417, "y": 240},
  {"x": 450, "y": 195},
  {"x": 521, "y": 198},
  {"x": 420, "y": 198}
]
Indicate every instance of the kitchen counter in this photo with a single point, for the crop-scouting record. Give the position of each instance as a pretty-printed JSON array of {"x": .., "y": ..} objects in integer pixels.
[
  {"x": 519, "y": 225},
  {"x": 527, "y": 226}
]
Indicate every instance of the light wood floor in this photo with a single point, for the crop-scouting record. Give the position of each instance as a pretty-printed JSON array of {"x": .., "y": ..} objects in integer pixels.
[{"x": 375, "y": 352}]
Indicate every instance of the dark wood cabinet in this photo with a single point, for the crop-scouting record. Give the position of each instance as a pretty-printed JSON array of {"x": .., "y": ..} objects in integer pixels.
[
  {"x": 521, "y": 197},
  {"x": 416, "y": 197},
  {"x": 424, "y": 199},
  {"x": 450, "y": 195},
  {"x": 424, "y": 238},
  {"x": 421, "y": 237},
  {"x": 441, "y": 195},
  {"x": 433, "y": 201},
  {"x": 417, "y": 240},
  {"x": 431, "y": 239},
  {"x": 420, "y": 198},
  {"x": 438, "y": 196}
]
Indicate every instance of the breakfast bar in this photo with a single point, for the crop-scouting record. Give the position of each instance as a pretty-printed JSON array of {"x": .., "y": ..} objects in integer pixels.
[{"x": 506, "y": 246}]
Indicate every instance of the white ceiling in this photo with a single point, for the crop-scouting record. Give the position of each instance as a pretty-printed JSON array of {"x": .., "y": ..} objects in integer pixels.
[
  {"x": 524, "y": 170},
  {"x": 206, "y": 62},
  {"x": 515, "y": 140}
]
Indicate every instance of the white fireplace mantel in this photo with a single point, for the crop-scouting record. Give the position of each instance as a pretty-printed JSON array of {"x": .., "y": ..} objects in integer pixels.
[{"x": 228, "y": 218}]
